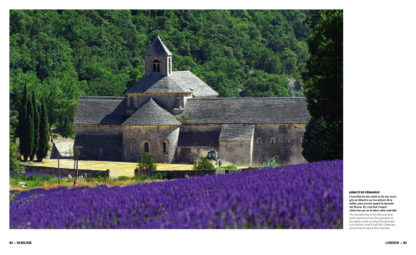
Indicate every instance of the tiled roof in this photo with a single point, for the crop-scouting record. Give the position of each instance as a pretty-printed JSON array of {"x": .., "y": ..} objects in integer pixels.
[
  {"x": 99, "y": 141},
  {"x": 179, "y": 81},
  {"x": 236, "y": 132},
  {"x": 158, "y": 48},
  {"x": 157, "y": 84},
  {"x": 283, "y": 110},
  {"x": 151, "y": 114},
  {"x": 198, "y": 138},
  {"x": 100, "y": 111}
]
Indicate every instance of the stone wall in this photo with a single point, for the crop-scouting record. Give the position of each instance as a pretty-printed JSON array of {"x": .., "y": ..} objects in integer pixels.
[
  {"x": 106, "y": 154},
  {"x": 280, "y": 141},
  {"x": 236, "y": 153},
  {"x": 98, "y": 142},
  {"x": 65, "y": 171},
  {"x": 164, "y": 64},
  {"x": 98, "y": 129},
  {"x": 203, "y": 140},
  {"x": 176, "y": 174},
  {"x": 190, "y": 154},
  {"x": 135, "y": 136}
]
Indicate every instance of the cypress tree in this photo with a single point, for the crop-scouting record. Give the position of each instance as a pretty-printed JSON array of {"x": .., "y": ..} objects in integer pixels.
[
  {"x": 22, "y": 127},
  {"x": 36, "y": 127},
  {"x": 43, "y": 133},
  {"x": 30, "y": 128}
]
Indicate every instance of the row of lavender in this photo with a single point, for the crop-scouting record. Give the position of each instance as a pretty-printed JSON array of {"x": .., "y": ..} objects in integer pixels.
[{"x": 299, "y": 196}]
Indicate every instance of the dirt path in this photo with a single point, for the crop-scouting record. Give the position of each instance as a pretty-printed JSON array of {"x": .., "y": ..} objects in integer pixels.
[{"x": 116, "y": 168}]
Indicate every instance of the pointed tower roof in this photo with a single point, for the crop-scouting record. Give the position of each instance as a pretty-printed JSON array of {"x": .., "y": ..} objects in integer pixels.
[
  {"x": 158, "y": 48},
  {"x": 151, "y": 114}
]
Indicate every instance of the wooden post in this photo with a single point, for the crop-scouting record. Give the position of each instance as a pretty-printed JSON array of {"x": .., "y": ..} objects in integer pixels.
[
  {"x": 77, "y": 154},
  {"x": 74, "y": 157},
  {"x": 59, "y": 171}
]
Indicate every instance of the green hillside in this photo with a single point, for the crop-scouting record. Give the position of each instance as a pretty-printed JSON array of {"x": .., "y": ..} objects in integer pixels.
[{"x": 64, "y": 54}]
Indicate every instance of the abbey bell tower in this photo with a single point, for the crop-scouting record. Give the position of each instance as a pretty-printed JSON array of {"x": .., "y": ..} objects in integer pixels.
[{"x": 158, "y": 59}]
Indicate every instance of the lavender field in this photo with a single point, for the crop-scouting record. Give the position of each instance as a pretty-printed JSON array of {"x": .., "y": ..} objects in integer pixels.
[{"x": 299, "y": 196}]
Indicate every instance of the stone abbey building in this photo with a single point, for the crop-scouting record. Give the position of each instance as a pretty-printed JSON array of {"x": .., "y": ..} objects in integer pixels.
[{"x": 177, "y": 117}]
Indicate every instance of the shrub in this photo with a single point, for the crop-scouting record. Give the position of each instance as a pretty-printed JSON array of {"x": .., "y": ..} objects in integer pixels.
[
  {"x": 147, "y": 162},
  {"x": 159, "y": 176},
  {"x": 203, "y": 164},
  {"x": 270, "y": 163},
  {"x": 141, "y": 178},
  {"x": 123, "y": 178},
  {"x": 14, "y": 161},
  {"x": 100, "y": 177},
  {"x": 27, "y": 177},
  {"x": 46, "y": 178},
  {"x": 231, "y": 168},
  {"x": 228, "y": 168},
  {"x": 89, "y": 179},
  {"x": 254, "y": 167}
]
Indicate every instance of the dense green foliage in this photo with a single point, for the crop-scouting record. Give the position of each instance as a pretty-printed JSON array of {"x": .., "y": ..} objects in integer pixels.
[
  {"x": 203, "y": 164},
  {"x": 23, "y": 123},
  {"x": 14, "y": 163},
  {"x": 228, "y": 168},
  {"x": 36, "y": 126},
  {"x": 30, "y": 128},
  {"x": 323, "y": 139},
  {"x": 32, "y": 125},
  {"x": 64, "y": 54},
  {"x": 147, "y": 162},
  {"x": 270, "y": 163},
  {"x": 43, "y": 132},
  {"x": 33, "y": 181}
]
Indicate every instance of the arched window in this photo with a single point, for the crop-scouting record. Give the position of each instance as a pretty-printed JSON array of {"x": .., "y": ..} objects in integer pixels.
[
  {"x": 272, "y": 140},
  {"x": 165, "y": 147},
  {"x": 146, "y": 147},
  {"x": 156, "y": 65},
  {"x": 258, "y": 140}
]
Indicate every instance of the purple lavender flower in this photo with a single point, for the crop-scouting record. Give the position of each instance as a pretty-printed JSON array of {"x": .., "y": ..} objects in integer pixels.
[{"x": 301, "y": 196}]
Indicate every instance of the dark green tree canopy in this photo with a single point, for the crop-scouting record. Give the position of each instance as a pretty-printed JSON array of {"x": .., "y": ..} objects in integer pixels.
[
  {"x": 43, "y": 147},
  {"x": 324, "y": 87},
  {"x": 65, "y": 54}
]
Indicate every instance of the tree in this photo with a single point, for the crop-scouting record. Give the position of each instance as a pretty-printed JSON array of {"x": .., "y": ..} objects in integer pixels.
[
  {"x": 36, "y": 127},
  {"x": 30, "y": 129},
  {"x": 67, "y": 53},
  {"x": 43, "y": 133},
  {"x": 203, "y": 164},
  {"x": 22, "y": 126},
  {"x": 289, "y": 61},
  {"x": 147, "y": 162},
  {"x": 323, "y": 139},
  {"x": 26, "y": 125},
  {"x": 14, "y": 162},
  {"x": 261, "y": 84}
]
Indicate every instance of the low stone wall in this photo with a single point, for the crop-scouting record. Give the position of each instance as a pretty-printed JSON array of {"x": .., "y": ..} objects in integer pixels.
[
  {"x": 65, "y": 171},
  {"x": 176, "y": 174}
]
